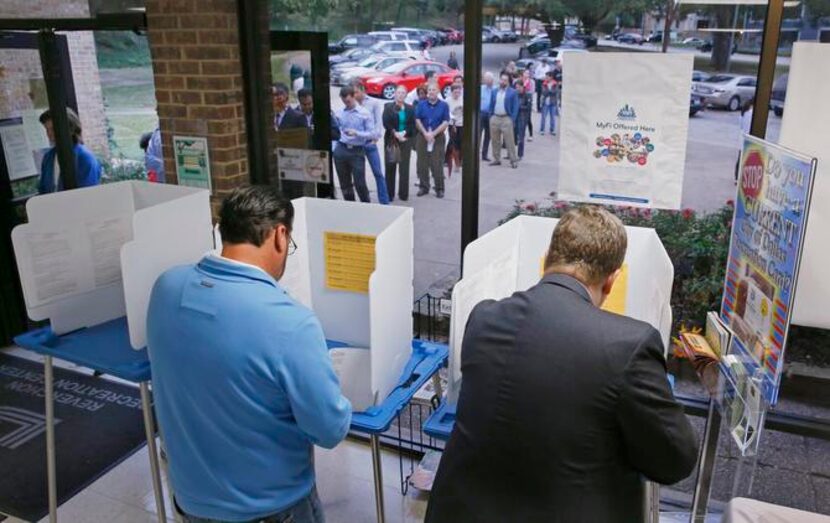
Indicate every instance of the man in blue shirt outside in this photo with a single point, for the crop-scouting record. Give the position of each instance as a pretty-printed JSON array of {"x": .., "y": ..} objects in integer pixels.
[
  {"x": 372, "y": 154},
  {"x": 432, "y": 117},
  {"x": 504, "y": 111},
  {"x": 87, "y": 168},
  {"x": 357, "y": 127},
  {"x": 242, "y": 378},
  {"x": 486, "y": 96}
]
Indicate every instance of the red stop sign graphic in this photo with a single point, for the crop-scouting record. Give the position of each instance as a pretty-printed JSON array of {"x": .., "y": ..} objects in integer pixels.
[{"x": 752, "y": 175}]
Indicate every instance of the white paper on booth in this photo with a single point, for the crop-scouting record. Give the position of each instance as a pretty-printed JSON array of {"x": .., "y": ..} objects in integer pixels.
[
  {"x": 106, "y": 236},
  {"x": 52, "y": 257},
  {"x": 352, "y": 365}
]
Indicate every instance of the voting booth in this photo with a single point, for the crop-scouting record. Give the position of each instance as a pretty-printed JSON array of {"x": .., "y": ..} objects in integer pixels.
[
  {"x": 92, "y": 255},
  {"x": 511, "y": 258},
  {"x": 354, "y": 267}
]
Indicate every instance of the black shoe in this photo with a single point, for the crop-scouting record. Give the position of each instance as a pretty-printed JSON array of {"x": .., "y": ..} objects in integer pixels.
[
  {"x": 514, "y": 165},
  {"x": 439, "y": 194},
  {"x": 422, "y": 191},
  {"x": 485, "y": 159},
  {"x": 403, "y": 199}
]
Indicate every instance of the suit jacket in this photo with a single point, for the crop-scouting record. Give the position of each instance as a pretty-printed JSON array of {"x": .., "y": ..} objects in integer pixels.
[
  {"x": 293, "y": 119},
  {"x": 563, "y": 411},
  {"x": 390, "y": 121},
  {"x": 511, "y": 103},
  {"x": 87, "y": 170}
]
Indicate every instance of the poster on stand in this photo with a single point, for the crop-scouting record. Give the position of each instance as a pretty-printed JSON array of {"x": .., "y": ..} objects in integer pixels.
[
  {"x": 625, "y": 117},
  {"x": 771, "y": 209}
]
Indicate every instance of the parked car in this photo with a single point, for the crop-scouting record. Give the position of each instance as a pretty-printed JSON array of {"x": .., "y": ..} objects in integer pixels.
[
  {"x": 696, "y": 104},
  {"x": 493, "y": 35},
  {"x": 694, "y": 41},
  {"x": 387, "y": 36},
  {"x": 405, "y": 48},
  {"x": 631, "y": 38},
  {"x": 726, "y": 90},
  {"x": 351, "y": 42},
  {"x": 416, "y": 34},
  {"x": 344, "y": 75},
  {"x": 534, "y": 48},
  {"x": 779, "y": 94},
  {"x": 454, "y": 36},
  {"x": 700, "y": 76},
  {"x": 587, "y": 39},
  {"x": 352, "y": 55},
  {"x": 348, "y": 64},
  {"x": 409, "y": 74},
  {"x": 656, "y": 37}
]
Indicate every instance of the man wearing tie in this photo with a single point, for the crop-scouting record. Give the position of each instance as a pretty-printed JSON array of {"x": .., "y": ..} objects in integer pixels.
[{"x": 284, "y": 116}]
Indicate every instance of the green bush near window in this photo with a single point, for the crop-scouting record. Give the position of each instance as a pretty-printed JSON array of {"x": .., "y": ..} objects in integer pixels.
[
  {"x": 698, "y": 245},
  {"x": 121, "y": 169}
]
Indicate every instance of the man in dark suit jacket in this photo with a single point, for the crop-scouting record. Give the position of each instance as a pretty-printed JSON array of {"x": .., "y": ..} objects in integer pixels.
[
  {"x": 284, "y": 116},
  {"x": 504, "y": 111},
  {"x": 564, "y": 409}
]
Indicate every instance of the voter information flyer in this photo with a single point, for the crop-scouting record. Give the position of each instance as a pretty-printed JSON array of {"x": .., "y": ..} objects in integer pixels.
[
  {"x": 303, "y": 165},
  {"x": 625, "y": 117},
  {"x": 771, "y": 209},
  {"x": 192, "y": 161}
]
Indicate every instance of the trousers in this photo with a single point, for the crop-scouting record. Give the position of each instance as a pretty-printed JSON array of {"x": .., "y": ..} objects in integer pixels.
[
  {"x": 431, "y": 161},
  {"x": 501, "y": 128},
  {"x": 350, "y": 163}
]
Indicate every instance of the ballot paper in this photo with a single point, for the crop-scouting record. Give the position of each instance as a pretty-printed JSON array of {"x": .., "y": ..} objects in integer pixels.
[
  {"x": 18, "y": 153},
  {"x": 350, "y": 261}
]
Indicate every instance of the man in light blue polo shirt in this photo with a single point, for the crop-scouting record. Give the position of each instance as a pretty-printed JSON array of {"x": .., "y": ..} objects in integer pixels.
[{"x": 242, "y": 379}]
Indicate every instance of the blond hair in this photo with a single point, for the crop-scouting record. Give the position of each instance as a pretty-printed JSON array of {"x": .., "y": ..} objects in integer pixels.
[{"x": 588, "y": 243}]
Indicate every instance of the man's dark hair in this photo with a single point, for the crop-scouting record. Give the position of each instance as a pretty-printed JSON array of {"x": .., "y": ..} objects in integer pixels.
[
  {"x": 74, "y": 123},
  {"x": 249, "y": 214},
  {"x": 357, "y": 85},
  {"x": 458, "y": 77},
  {"x": 304, "y": 93},
  {"x": 279, "y": 88},
  {"x": 346, "y": 90},
  {"x": 144, "y": 141},
  {"x": 428, "y": 75}
]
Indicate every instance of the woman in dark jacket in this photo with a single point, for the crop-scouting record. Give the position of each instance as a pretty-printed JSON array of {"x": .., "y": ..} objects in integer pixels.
[{"x": 399, "y": 122}]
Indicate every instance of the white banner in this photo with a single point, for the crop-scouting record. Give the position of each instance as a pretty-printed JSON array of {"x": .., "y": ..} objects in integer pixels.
[{"x": 625, "y": 117}]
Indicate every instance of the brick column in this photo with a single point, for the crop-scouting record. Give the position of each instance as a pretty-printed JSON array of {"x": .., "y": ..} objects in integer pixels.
[{"x": 198, "y": 77}]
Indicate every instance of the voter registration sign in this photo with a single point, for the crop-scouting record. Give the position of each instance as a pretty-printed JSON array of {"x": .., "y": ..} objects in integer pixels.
[{"x": 192, "y": 161}]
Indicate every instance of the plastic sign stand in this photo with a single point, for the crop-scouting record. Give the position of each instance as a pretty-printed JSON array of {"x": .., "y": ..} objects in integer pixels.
[
  {"x": 510, "y": 258},
  {"x": 92, "y": 255},
  {"x": 379, "y": 319},
  {"x": 804, "y": 129}
]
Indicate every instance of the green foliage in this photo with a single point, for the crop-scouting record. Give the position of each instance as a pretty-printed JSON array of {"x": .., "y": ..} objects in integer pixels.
[
  {"x": 117, "y": 49},
  {"x": 121, "y": 169},
  {"x": 697, "y": 244}
]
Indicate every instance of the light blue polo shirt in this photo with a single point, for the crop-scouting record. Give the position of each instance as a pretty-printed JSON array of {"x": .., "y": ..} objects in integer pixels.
[{"x": 243, "y": 386}]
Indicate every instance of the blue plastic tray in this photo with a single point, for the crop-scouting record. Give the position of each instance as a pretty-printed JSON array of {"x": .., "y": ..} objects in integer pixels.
[
  {"x": 426, "y": 360},
  {"x": 105, "y": 348},
  {"x": 439, "y": 424}
]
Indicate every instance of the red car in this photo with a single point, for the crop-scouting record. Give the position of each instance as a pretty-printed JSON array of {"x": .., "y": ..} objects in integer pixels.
[
  {"x": 454, "y": 36},
  {"x": 409, "y": 74}
]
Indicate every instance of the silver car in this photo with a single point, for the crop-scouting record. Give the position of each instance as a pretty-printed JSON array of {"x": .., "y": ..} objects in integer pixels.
[{"x": 726, "y": 90}]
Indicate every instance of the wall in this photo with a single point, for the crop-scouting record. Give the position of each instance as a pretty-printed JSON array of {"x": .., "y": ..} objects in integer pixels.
[{"x": 198, "y": 79}]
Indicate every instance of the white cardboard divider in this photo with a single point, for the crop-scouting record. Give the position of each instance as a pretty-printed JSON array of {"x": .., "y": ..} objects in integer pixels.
[
  {"x": 380, "y": 320},
  {"x": 510, "y": 258},
  {"x": 804, "y": 129},
  {"x": 91, "y": 255}
]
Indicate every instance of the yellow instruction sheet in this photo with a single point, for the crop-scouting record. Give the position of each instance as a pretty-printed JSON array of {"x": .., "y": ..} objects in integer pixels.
[{"x": 350, "y": 260}]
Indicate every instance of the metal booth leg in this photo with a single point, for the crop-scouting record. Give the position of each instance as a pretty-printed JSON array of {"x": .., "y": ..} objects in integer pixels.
[
  {"x": 377, "y": 465},
  {"x": 48, "y": 383},
  {"x": 706, "y": 465},
  {"x": 150, "y": 432}
]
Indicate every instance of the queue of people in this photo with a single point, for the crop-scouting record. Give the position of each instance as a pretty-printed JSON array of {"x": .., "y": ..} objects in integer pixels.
[{"x": 586, "y": 395}]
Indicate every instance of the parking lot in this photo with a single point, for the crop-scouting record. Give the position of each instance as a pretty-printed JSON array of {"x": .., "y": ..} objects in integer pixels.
[{"x": 712, "y": 151}]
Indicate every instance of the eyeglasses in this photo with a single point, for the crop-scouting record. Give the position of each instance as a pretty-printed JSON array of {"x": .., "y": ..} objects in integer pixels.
[{"x": 292, "y": 246}]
